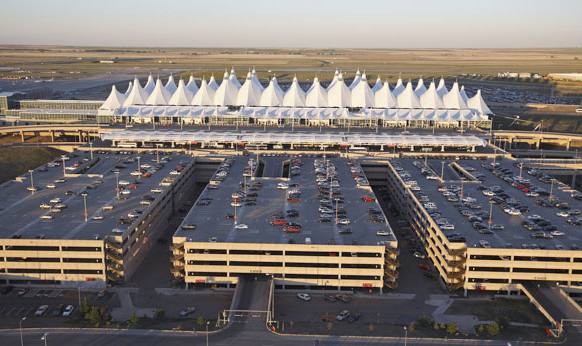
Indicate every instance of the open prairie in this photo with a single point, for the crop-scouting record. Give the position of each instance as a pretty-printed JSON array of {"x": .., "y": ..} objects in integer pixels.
[{"x": 48, "y": 62}]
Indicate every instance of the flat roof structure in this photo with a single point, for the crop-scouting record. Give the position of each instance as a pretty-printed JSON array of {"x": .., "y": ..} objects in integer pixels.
[
  {"x": 210, "y": 219},
  {"x": 22, "y": 207},
  {"x": 513, "y": 235},
  {"x": 296, "y": 138}
]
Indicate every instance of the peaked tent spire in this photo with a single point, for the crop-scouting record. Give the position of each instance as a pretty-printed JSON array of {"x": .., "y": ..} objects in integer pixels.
[
  {"x": 378, "y": 85},
  {"x": 453, "y": 99},
  {"x": 212, "y": 83},
  {"x": 273, "y": 95},
  {"x": 420, "y": 88},
  {"x": 334, "y": 80},
  {"x": 182, "y": 96},
  {"x": 477, "y": 103},
  {"x": 362, "y": 95},
  {"x": 316, "y": 95},
  {"x": 339, "y": 94},
  {"x": 431, "y": 99},
  {"x": 204, "y": 96},
  {"x": 137, "y": 96},
  {"x": 114, "y": 100},
  {"x": 295, "y": 96},
  {"x": 356, "y": 80},
  {"x": 226, "y": 93},
  {"x": 442, "y": 88},
  {"x": 398, "y": 88},
  {"x": 233, "y": 78},
  {"x": 128, "y": 89},
  {"x": 407, "y": 98},
  {"x": 150, "y": 85},
  {"x": 383, "y": 98},
  {"x": 256, "y": 80},
  {"x": 249, "y": 93},
  {"x": 171, "y": 85},
  {"x": 192, "y": 85},
  {"x": 159, "y": 96}
]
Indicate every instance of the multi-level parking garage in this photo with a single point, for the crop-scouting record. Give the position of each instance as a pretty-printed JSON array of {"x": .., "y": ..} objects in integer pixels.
[
  {"x": 307, "y": 222},
  {"x": 487, "y": 224},
  {"x": 92, "y": 220}
]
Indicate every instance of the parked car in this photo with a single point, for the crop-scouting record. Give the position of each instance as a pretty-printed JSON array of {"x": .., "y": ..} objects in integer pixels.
[
  {"x": 68, "y": 310},
  {"x": 343, "y": 315},
  {"x": 41, "y": 310},
  {"x": 304, "y": 296}
]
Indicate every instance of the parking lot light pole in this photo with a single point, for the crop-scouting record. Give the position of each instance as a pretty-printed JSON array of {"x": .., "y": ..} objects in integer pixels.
[
  {"x": 117, "y": 184},
  {"x": 44, "y": 338},
  {"x": 91, "y": 149},
  {"x": 20, "y": 327},
  {"x": 31, "y": 180},
  {"x": 442, "y": 170},
  {"x": 64, "y": 166},
  {"x": 520, "y": 169},
  {"x": 84, "y": 194},
  {"x": 552, "y": 189},
  {"x": 405, "y": 335},
  {"x": 490, "y": 213},
  {"x": 79, "y": 294},
  {"x": 207, "y": 324}
]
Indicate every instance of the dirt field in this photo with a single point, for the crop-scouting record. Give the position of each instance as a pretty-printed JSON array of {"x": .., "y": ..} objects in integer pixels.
[
  {"x": 15, "y": 161},
  {"x": 77, "y": 62}
]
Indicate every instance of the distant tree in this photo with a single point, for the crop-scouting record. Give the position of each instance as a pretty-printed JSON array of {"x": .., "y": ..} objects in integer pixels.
[
  {"x": 493, "y": 329},
  {"x": 159, "y": 314},
  {"x": 133, "y": 320},
  {"x": 452, "y": 328},
  {"x": 200, "y": 321}
]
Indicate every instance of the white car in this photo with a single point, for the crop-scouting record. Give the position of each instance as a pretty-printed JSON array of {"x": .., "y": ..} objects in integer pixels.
[
  {"x": 532, "y": 194},
  {"x": 175, "y": 172},
  {"x": 282, "y": 186},
  {"x": 419, "y": 255},
  {"x": 68, "y": 310},
  {"x": 45, "y": 206},
  {"x": 343, "y": 222},
  {"x": 448, "y": 227},
  {"x": 55, "y": 200},
  {"x": 135, "y": 173},
  {"x": 557, "y": 233},
  {"x": 304, "y": 296},
  {"x": 563, "y": 214},
  {"x": 51, "y": 186},
  {"x": 488, "y": 193},
  {"x": 41, "y": 310},
  {"x": 241, "y": 226},
  {"x": 156, "y": 190},
  {"x": 512, "y": 211},
  {"x": 97, "y": 217},
  {"x": 383, "y": 233},
  {"x": 46, "y": 217},
  {"x": 342, "y": 315},
  {"x": 235, "y": 204}
]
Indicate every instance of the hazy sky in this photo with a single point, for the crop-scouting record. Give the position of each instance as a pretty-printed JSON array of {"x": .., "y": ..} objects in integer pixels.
[{"x": 294, "y": 23}]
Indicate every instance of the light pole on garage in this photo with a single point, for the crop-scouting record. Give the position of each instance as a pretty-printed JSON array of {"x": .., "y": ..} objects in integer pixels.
[
  {"x": 20, "y": 327},
  {"x": 31, "y": 180}
]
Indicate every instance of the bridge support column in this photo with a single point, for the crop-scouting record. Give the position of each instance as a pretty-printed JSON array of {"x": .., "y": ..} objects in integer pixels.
[
  {"x": 538, "y": 143},
  {"x": 442, "y": 148},
  {"x": 52, "y": 133},
  {"x": 80, "y": 136},
  {"x": 22, "y": 136},
  {"x": 473, "y": 149},
  {"x": 568, "y": 143},
  {"x": 573, "y": 185},
  {"x": 412, "y": 148}
]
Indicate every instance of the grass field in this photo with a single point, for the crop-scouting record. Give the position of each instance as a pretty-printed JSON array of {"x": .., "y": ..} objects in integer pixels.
[
  {"x": 83, "y": 62},
  {"x": 491, "y": 309},
  {"x": 15, "y": 161}
]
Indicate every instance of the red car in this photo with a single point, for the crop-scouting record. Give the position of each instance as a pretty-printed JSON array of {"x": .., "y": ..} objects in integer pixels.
[
  {"x": 368, "y": 199},
  {"x": 293, "y": 200},
  {"x": 279, "y": 222},
  {"x": 292, "y": 229}
]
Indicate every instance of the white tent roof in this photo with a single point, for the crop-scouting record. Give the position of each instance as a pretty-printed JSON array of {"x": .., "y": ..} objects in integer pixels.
[
  {"x": 295, "y": 96},
  {"x": 420, "y": 88},
  {"x": 182, "y": 97},
  {"x": 226, "y": 93},
  {"x": 128, "y": 89},
  {"x": 339, "y": 94},
  {"x": 137, "y": 96},
  {"x": 249, "y": 93},
  {"x": 398, "y": 88},
  {"x": 272, "y": 95},
  {"x": 171, "y": 85},
  {"x": 334, "y": 80},
  {"x": 159, "y": 96},
  {"x": 407, "y": 98},
  {"x": 442, "y": 88},
  {"x": 356, "y": 80},
  {"x": 233, "y": 79},
  {"x": 192, "y": 85},
  {"x": 204, "y": 96},
  {"x": 383, "y": 98},
  {"x": 150, "y": 85},
  {"x": 362, "y": 95},
  {"x": 316, "y": 95},
  {"x": 256, "y": 80},
  {"x": 453, "y": 99},
  {"x": 378, "y": 85},
  {"x": 212, "y": 83},
  {"x": 114, "y": 100},
  {"x": 431, "y": 99},
  {"x": 477, "y": 103},
  {"x": 464, "y": 94}
]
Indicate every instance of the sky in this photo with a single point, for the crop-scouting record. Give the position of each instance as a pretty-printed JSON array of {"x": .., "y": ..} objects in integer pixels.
[{"x": 294, "y": 23}]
